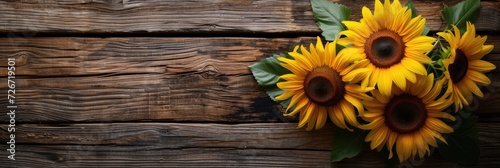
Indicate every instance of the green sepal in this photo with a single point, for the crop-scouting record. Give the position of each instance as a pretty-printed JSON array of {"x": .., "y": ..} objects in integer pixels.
[
  {"x": 460, "y": 13},
  {"x": 329, "y": 17},
  {"x": 347, "y": 144},
  {"x": 267, "y": 73}
]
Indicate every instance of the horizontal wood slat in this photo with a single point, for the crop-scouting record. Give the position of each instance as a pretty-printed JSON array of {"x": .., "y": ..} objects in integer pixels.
[
  {"x": 175, "y": 135},
  {"x": 207, "y": 145},
  {"x": 133, "y": 79},
  {"x": 170, "y": 16}
]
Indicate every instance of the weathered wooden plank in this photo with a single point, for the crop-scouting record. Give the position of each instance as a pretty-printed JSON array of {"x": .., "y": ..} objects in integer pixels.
[
  {"x": 175, "y": 135},
  {"x": 187, "y": 17},
  {"x": 160, "y": 144},
  {"x": 94, "y": 80},
  {"x": 130, "y": 79}
]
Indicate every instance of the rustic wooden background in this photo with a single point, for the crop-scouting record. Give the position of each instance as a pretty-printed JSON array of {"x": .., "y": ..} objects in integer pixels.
[{"x": 106, "y": 83}]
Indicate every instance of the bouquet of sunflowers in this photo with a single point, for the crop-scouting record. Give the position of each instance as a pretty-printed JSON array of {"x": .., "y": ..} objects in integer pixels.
[{"x": 385, "y": 81}]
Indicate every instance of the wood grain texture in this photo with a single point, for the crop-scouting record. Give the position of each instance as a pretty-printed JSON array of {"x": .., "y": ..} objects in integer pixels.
[
  {"x": 141, "y": 78},
  {"x": 170, "y": 16},
  {"x": 169, "y": 86},
  {"x": 137, "y": 79},
  {"x": 176, "y": 135},
  {"x": 207, "y": 145}
]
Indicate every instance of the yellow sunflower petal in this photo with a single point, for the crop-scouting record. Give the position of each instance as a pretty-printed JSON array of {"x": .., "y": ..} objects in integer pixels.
[
  {"x": 285, "y": 95},
  {"x": 320, "y": 49},
  {"x": 481, "y": 66},
  {"x": 398, "y": 79},
  {"x": 414, "y": 66},
  {"x": 404, "y": 147},
  {"x": 379, "y": 137},
  {"x": 485, "y": 50},
  {"x": 297, "y": 100},
  {"x": 420, "y": 144},
  {"x": 294, "y": 66},
  {"x": 374, "y": 124},
  {"x": 307, "y": 55},
  {"x": 291, "y": 77},
  {"x": 322, "y": 115},
  {"x": 390, "y": 142},
  {"x": 312, "y": 120},
  {"x": 290, "y": 85},
  {"x": 337, "y": 117},
  {"x": 438, "y": 125},
  {"x": 478, "y": 77},
  {"x": 355, "y": 102},
  {"x": 310, "y": 110},
  {"x": 441, "y": 115},
  {"x": 358, "y": 28},
  {"x": 330, "y": 53},
  {"x": 384, "y": 82},
  {"x": 356, "y": 75},
  {"x": 369, "y": 20},
  {"x": 471, "y": 86},
  {"x": 348, "y": 112},
  {"x": 305, "y": 63}
]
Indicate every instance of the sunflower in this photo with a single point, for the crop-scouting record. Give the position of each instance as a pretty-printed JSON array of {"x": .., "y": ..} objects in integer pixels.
[
  {"x": 391, "y": 40},
  {"x": 409, "y": 118},
  {"x": 322, "y": 84},
  {"x": 464, "y": 67}
]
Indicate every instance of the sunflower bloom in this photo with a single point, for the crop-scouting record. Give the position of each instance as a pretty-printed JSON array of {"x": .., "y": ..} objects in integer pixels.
[
  {"x": 464, "y": 67},
  {"x": 391, "y": 40},
  {"x": 409, "y": 118},
  {"x": 322, "y": 84}
]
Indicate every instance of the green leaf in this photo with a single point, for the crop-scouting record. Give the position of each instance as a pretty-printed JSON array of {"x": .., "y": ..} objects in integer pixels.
[
  {"x": 347, "y": 144},
  {"x": 266, "y": 72},
  {"x": 460, "y": 13},
  {"x": 414, "y": 13},
  {"x": 338, "y": 48},
  {"x": 329, "y": 17},
  {"x": 460, "y": 149},
  {"x": 466, "y": 122},
  {"x": 426, "y": 30}
]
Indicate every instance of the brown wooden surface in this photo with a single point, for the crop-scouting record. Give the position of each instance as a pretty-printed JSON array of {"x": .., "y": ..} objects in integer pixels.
[
  {"x": 132, "y": 79},
  {"x": 168, "y": 85},
  {"x": 205, "y": 145},
  {"x": 191, "y": 16}
]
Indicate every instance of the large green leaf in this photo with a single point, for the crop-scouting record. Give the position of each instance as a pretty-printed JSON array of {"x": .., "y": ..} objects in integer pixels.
[
  {"x": 460, "y": 13},
  {"x": 460, "y": 149},
  {"x": 347, "y": 144},
  {"x": 462, "y": 145},
  {"x": 414, "y": 13},
  {"x": 266, "y": 72},
  {"x": 466, "y": 122},
  {"x": 329, "y": 17}
]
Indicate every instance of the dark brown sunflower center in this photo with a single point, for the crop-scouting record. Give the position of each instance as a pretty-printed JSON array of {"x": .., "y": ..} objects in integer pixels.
[
  {"x": 405, "y": 114},
  {"x": 384, "y": 48},
  {"x": 459, "y": 67},
  {"x": 324, "y": 86}
]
